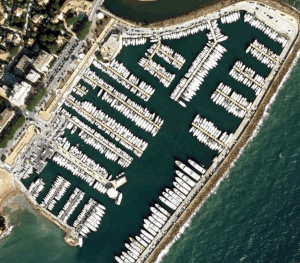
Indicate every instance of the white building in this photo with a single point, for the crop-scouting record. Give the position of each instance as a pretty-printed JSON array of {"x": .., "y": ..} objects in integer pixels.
[
  {"x": 33, "y": 76},
  {"x": 19, "y": 94}
]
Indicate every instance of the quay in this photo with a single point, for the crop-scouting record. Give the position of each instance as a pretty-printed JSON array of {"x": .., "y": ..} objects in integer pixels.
[
  {"x": 81, "y": 165},
  {"x": 106, "y": 127},
  {"x": 126, "y": 80},
  {"x": 196, "y": 70},
  {"x": 209, "y": 135},
  {"x": 46, "y": 113},
  {"x": 233, "y": 101},
  {"x": 102, "y": 142},
  {"x": 248, "y": 77},
  {"x": 123, "y": 102}
]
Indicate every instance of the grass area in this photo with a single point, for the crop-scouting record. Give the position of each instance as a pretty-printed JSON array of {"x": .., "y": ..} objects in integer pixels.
[
  {"x": 36, "y": 99},
  {"x": 11, "y": 130}
]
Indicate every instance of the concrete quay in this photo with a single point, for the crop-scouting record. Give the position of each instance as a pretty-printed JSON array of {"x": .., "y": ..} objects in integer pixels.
[{"x": 46, "y": 113}]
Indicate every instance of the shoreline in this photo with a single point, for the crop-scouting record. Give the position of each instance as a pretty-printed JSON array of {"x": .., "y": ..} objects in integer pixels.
[
  {"x": 193, "y": 14},
  {"x": 8, "y": 190},
  {"x": 246, "y": 135}
]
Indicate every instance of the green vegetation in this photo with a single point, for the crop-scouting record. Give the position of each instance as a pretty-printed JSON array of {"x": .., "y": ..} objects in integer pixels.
[
  {"x": 71, "y": 21},
  {"x": 2, "y": 222},
  {"x": 53, "y": 48},
  {"x": 99, "y": 56},
  {"x": 3, "y": 157},
  {"x": 14, "y": 51},
  {"x": 83, "y": 29},
  {"x": 9, "y": 133},
  {"x": 36, "y": 99}
]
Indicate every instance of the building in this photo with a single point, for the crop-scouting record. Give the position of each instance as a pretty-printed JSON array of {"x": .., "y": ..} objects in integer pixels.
[
  {"x": 76, "y": 5},
  {"x": 9, "y": 37},
  {"x": 60, "y": 41},
  {"x": 4, "y": 91},
  {"x": 17, "y": 39},
  {"x": 42, "y": 63},
  {"x": 19, "y": 11},
  {"x": 19, "y": 94},
  {"x": 42, "y": 2},
  {"x": 5, "y": 117},
  {"x": 33, "y": 76},
  {"x": 3, "y": 15},
  {"x": 111, "y": 47},
  {"x": 37, "y": 18},
  {"x": 30, "y": 41},
  {"x": 22, "y": 65},
  {"x": 4, "y": 55}
]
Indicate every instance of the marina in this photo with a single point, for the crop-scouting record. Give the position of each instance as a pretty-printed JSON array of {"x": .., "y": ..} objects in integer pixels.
[{"x": 113, "y": 110}]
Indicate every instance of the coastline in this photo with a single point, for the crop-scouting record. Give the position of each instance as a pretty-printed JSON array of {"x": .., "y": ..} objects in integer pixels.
[
  {"x": 7, "y": 191},
  {"x": 249, "y": 130}
]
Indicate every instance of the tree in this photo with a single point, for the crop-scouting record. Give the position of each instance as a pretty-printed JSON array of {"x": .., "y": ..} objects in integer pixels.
[
  {"x": 51, "y": 38},
  {"x": 84, "y": 29},
  {"x": 52, "y": 47},
  {"x": 14, "y": 51},
  {"x": 44, "y": 38},
  {"x": 71, "y": 21}
]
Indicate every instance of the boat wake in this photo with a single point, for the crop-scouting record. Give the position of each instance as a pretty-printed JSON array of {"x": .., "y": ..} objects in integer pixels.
[{"x": 226, "y": 174}]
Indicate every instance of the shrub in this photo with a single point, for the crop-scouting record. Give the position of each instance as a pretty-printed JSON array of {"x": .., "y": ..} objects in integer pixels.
[{"x": 36, "y": 99}]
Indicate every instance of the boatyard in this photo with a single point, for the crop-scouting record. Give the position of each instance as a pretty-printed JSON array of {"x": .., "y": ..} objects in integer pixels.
[{"x": 128, "y": 144}]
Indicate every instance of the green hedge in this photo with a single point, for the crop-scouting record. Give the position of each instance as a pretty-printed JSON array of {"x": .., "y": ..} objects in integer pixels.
[
  {"x": 9, "y": 134},
  {"x": 36, "y": 99}
]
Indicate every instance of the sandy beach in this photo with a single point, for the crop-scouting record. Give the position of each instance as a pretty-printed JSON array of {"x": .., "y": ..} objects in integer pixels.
[
  {"x": 248, "y": 131},
  {"x": 7, "y": 189}
]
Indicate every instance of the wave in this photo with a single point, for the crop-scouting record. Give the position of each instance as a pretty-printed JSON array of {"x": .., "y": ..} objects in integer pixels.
[{"x": 226, "y": 174}]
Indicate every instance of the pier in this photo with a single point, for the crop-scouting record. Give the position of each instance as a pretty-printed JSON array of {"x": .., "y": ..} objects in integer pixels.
[
  {"x": 126, "y": 80},
  {"x": 155, "y": 50},
  {"x": 81, "y": 165},
  {"x": 106, "y": 127},
  {"x": 195, "y": 71},
  {"x": 248, "y": 77},
  {"x": 209, "y": 135},
  {"x": 233, "y": 101},
  {"x": 265, "y": 54},
  {"x": 103, "y": 143},
  {"x": 123, "y": 102},
  {"x": 80, "y": 90}
]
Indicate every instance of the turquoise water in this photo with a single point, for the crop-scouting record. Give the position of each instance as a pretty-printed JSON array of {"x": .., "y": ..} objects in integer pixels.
[{"x": 253, "y": 216}]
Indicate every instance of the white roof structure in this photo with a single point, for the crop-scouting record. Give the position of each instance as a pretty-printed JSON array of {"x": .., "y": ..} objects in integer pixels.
[
  {"x": 20, "y": 93},
  {"x": 33, "y": 76}
]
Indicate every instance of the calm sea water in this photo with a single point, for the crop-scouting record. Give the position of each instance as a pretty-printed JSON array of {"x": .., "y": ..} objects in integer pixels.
[{"x": 253, "y": 216}]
